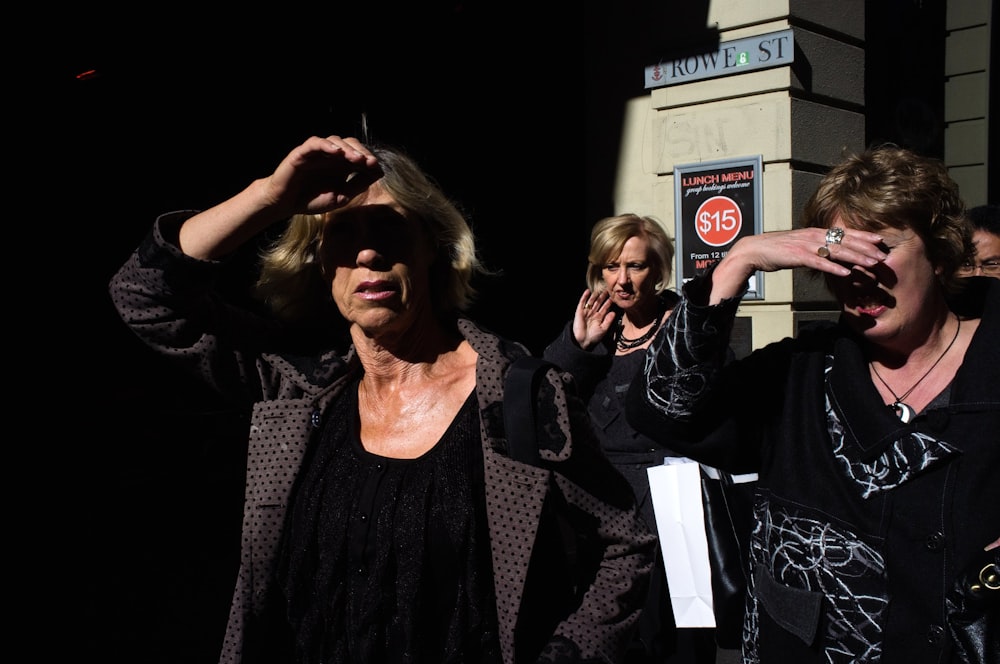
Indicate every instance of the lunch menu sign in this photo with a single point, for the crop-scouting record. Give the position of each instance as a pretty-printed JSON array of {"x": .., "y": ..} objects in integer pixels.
[{"x": 715, "y": 204}]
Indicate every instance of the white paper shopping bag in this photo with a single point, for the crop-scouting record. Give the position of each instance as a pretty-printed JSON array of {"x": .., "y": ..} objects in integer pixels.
[{"x": 680, "y": 522}]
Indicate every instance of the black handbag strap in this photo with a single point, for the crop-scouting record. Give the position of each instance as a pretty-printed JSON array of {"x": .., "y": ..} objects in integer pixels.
[{"x": 519, "y": 398}]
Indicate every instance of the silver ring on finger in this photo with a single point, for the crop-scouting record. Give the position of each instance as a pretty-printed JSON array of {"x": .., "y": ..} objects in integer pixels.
[{"x": 833, "y": 236}]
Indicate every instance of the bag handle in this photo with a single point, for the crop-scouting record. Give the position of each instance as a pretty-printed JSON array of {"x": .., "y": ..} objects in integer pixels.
[{"x": 519, "y": 399}]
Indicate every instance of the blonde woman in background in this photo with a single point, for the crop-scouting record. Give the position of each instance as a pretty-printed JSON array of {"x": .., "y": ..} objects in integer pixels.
[{"x": 617, "y": 317}]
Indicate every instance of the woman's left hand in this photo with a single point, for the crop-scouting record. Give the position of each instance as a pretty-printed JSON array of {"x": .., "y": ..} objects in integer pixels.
[
  {"x": 782, "y": 250},
  {"x": 593, "y": 318}
]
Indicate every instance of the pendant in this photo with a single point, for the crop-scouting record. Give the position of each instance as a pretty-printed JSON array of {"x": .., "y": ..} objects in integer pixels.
[{"x": 904, "y": 412}]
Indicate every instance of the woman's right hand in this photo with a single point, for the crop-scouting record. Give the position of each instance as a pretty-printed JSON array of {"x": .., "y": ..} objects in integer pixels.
[
  {"x": 320, "y": 175},
  {"x": 593, "y": 318}
]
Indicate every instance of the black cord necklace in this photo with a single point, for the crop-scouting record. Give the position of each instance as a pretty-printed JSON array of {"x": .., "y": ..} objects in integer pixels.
[
  {"x": 624, "y": 343},
  {"x": 904, "y": 411}
]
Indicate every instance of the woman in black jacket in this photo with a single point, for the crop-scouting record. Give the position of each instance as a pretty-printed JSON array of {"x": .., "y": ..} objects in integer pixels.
[{"x": 876, "y": 439}]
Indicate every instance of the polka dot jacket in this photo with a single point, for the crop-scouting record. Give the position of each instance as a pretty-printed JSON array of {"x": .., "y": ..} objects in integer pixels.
[{"x": 168, "y": 300}]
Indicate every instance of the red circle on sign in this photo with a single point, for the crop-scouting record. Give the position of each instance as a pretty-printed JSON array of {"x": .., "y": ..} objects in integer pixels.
[{"x": 718, "y": 221}]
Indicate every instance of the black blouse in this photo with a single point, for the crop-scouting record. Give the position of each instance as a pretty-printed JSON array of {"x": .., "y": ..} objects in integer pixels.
[
  {"x": 607, "y": 410},
  {"x": 388, "y": 560}
]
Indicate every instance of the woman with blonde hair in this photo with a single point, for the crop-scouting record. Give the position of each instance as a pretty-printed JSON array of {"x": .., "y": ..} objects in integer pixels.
[
  {"x": 617, "y": 317},
  {"x": 383, "y": 519}
]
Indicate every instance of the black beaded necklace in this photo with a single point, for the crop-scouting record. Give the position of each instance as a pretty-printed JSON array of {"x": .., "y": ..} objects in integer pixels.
[{"x": 624, "y": 343}]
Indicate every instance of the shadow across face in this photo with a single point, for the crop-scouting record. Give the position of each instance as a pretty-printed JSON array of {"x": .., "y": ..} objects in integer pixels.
[{"x": 378, "y": 236}]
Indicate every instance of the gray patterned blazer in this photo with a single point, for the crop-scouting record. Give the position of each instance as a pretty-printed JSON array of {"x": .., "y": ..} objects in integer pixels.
[{"x": 168, "y": 300}]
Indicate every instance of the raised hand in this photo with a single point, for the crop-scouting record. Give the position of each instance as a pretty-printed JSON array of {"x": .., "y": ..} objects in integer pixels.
[
  {"x": 802, "y": 247},
  {"x": 320, "y": 175},
  {"x": 593, "y": 318}
]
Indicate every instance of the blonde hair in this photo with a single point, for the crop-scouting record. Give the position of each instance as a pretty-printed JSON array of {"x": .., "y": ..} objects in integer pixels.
[
  {"x": 608, "y": 238},
  {"x": 292, "y": 282}
]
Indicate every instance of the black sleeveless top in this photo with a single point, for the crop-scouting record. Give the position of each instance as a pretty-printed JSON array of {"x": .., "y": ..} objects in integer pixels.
[{"x": 388, "y": 560}]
